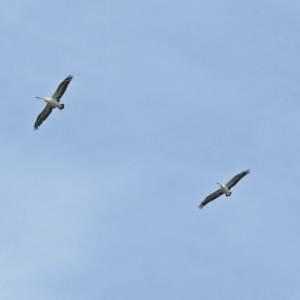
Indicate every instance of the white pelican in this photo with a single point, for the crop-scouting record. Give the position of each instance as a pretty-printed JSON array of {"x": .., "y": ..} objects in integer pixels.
[
  {"x": 52, "y": 102},
  {"x": 224, "y": 188}
]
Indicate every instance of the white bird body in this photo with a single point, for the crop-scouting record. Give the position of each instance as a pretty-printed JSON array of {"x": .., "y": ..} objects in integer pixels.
[
  {"x": 224, "y": 189},
  {"x": 52, "y": 102}
]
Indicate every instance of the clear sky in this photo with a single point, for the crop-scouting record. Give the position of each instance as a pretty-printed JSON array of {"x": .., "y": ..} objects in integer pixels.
[{"x": 168, "y": 97}]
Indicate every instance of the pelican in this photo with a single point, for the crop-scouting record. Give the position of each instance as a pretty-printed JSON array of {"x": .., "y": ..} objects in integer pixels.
[
  {"x": 224, "y": 188},
  {"x": 52, "y": 102}
]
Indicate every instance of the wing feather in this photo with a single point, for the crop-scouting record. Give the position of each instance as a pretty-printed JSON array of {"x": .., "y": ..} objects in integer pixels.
[
  {"x": 236, "y": 179},
  {"x": 42, "y": 116},
  {"x": 62, "y": 88},
  {"x": 210, "y": 198}
]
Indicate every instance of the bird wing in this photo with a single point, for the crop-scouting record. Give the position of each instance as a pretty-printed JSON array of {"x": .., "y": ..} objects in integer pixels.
[
  {"x": 236, "y": 179},
  {"x": 211, "y": 197},
  {"x": 62, "y": 88},
  {"x": 42, "y": 116}
]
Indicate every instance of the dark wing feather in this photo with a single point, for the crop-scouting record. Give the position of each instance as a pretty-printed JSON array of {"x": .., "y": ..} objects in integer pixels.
[
  {"x": 42, "y": 116},
  {"x": 62, "y": 88},
  {"x": 236, "y": 179},
  {"x": 211, "y": 197}
]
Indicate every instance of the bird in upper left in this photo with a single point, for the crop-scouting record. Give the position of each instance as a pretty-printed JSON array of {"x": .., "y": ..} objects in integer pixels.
[{"x": 52, "y": 102}]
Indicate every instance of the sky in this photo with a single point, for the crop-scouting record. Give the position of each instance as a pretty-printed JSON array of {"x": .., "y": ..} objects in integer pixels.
[{"x": 168, "y": 98}]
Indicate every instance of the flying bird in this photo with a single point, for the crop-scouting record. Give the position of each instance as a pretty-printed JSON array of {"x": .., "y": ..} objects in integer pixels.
[
  {"x": 52, "y": 102},
  {"x": 224, "y": 188}
]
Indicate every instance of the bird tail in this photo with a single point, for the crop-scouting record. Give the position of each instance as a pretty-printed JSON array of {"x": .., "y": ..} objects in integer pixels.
[{"x": 62, "y": 106}]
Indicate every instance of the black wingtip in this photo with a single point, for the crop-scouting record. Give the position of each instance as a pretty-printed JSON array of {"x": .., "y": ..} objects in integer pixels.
[
  {"x": 200, "y": 206},
  {"x": 247, "y": 171}
]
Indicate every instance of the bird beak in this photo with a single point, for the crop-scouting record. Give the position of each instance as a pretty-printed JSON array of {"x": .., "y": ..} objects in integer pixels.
[{"x": 39, "y": 97}]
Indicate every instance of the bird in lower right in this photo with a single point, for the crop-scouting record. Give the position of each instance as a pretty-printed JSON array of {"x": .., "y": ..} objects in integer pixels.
[{"x": 224, "y": 188}]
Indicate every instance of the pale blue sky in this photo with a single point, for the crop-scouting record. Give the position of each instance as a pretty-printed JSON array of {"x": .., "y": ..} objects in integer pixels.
[{"x": 168, "y": 97}]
